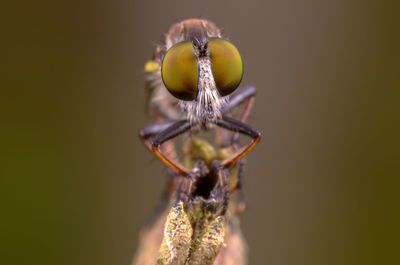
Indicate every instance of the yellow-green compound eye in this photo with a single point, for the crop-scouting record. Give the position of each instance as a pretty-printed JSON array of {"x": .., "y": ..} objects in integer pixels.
[
  {"x": 226, "y": 65},
  {"x": 179, "y": 71}
]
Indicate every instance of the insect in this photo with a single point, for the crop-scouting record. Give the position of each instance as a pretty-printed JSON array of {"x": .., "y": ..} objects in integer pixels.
[
  {"x": 199, "y": 226},
  {"x": 192, "y": 78}
]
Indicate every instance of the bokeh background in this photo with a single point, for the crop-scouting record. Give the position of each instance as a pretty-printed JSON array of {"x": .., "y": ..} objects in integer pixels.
[{"x": 77, "y": 184}]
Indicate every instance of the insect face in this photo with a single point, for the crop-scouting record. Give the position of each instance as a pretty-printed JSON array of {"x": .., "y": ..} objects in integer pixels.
[{"x": 200, "y": 70}]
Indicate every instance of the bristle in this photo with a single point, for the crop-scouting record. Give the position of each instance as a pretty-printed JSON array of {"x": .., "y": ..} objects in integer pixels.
[{"x": 208, "y": 104}]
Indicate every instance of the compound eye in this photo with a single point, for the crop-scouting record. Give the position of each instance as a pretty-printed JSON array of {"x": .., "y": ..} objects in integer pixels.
[
  {"x": 179, "y": 71},
  {"x": 226, "y": 65}
]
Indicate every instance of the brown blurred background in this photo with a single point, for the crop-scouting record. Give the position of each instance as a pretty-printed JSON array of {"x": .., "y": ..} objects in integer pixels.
[{"x": 77, "y": 184}]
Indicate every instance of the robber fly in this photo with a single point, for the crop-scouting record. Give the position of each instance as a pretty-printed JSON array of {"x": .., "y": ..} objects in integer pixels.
[
  {"x": 192, "y": 80},
  {"x": 200, "y": 226},
  {"x": 192, "y": 77}
]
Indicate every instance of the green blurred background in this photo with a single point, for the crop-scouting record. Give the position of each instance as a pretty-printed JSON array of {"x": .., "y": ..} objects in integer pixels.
[{"x": 77, "y": 184}]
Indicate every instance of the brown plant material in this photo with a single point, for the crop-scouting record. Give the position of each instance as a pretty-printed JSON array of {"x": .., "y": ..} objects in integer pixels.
[{"x": 194, "y": 230}]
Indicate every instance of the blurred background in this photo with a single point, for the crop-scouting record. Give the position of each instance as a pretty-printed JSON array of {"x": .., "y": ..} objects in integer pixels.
[{"x": 322, "y": 186}]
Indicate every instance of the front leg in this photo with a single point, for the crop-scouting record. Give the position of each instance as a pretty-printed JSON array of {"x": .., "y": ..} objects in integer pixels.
[
  {"x": 237, "y": 126},
  {"x": 238, "y": 98},
  {"x": 163, "y": 132},
  {"x": 246, "y": 97}
]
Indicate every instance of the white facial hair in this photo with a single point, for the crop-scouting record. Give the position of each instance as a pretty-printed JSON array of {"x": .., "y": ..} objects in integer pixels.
[{"x": 206, "y": 108}]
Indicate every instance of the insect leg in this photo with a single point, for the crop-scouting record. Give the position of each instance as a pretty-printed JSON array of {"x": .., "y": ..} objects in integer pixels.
[
  {"x": 163, "y": 132},
  {"x": 221, "y": 189},
  {"x": 237, "y": 126},
  {"x": 155, "y": 128},
  {"x": 244, "y": 116},
  {"x": 249, "y": 99},
  {"x": 238, "y": 98},
  {"x": 239, "y": 187},
  {"x": 247, "y": 95},
  {"x": 184, "y": 191},
  {"x": 223, "y": 178}
]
